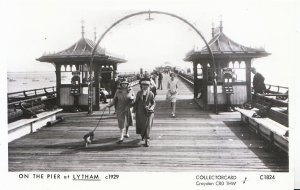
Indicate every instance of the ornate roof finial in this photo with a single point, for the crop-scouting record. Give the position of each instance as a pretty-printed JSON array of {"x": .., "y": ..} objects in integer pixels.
[
  {"x": 82, "y": 28},
  {"x": 221, "y": 24},
  {"x": 213, "y": 29},
  {"x": 95, "y": 34}
]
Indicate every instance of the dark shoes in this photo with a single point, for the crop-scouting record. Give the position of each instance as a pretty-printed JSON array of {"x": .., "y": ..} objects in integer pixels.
[
  {"x": 143, "y": 138},
  {"x": 147, "y": 143},
  {"x": 147, "y": 140}
]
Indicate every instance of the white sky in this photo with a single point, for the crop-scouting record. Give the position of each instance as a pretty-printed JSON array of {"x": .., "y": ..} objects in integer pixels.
[
  {"x": 35, "y": 27},
  {"x": 31, "y": 27}
]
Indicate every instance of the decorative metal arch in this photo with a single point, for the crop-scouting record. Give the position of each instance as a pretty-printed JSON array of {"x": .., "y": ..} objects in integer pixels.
[{"x": 90, "y": 91}]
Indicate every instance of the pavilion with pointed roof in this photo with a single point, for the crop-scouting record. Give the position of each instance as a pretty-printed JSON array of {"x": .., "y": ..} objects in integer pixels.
[
  {"x": 165, "y": 67},
  {"x": 75, "y": 61},
  {"x": 227, "y": 54}
]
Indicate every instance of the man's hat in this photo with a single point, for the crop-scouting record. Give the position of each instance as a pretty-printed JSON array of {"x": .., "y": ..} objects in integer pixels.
[
  {"x": 124, "y": 81},
  {"x": 145, "y": 81}
]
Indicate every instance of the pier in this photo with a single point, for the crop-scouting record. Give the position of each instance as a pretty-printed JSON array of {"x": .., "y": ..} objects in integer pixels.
[
  {"x": 196, "y": 140},
  {"x": 220, "y": 124}
]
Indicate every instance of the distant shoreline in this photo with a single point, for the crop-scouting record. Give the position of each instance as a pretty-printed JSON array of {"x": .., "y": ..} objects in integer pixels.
[
  {"x": 122, "y": 71},
  {"x": 30, "y": 71}
]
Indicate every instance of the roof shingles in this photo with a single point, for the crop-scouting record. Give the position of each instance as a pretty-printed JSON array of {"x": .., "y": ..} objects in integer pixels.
[
  {"x": 81, "y": 49},
  {"x": 221, "y": 44}
]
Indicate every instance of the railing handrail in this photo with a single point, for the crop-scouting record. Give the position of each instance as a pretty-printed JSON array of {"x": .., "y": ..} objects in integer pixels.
[
  {"x": 269, "y": 85},
  {"x": 33, "y": 90},
  {"x": 21, "y": 101},
  {"x": 277, "y": 86}
]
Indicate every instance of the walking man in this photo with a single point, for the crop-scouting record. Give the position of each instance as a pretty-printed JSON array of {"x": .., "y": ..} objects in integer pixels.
[{"x": 160, "y": 77}]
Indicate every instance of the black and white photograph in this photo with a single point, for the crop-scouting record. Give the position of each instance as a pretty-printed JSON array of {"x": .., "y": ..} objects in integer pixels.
[{"x": 149, "y": 94}]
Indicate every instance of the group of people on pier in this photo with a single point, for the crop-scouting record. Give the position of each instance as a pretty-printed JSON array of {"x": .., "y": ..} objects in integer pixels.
[{"x": 141, "y": 105}]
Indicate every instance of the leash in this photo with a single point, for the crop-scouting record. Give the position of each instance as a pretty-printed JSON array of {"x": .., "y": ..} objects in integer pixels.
[
  {"x": 99, "y": 119},
  {"x": 109, "y": 107}
]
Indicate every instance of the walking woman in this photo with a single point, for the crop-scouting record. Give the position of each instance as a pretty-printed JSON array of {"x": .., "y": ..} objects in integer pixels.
[
  {"x": 123, "y": 99},
  {"x": 144, "y": 109},
  {"x": 172, "y": 93}
]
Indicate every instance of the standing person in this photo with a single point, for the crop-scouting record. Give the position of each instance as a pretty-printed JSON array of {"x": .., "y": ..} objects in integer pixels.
[
  {"x": 172, "y": 93},
  {"x": 258, "y": 82},
  {"x": 115, "y": 86},
  {"x": 144, "y": 109},
  {"x": 153, "y": 87},
  {"x": 103, "y": 95},
  {"x": 152, "y": 83},
  {"x": 123, "y": 100},
  {"x": 154, "y": 76},
  {"x": 160, "y": 77}
]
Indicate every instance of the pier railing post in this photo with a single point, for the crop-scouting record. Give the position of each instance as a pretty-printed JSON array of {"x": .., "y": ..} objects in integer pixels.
[{"x": 90, "y": 97}]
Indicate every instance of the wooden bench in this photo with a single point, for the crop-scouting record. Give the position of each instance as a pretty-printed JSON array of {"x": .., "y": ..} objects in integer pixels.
[
  {"x": 271, "y": 130},
  {"x": 22, "y": 127},
  {"x": 276, "y": 113}
]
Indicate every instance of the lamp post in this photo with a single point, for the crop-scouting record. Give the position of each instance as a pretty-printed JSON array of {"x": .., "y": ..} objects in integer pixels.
[{"x": 90, "y": 84}]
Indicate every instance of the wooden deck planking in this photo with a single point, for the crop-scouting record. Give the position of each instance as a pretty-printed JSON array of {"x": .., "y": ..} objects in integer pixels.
[{"x": 194, "y": 141}]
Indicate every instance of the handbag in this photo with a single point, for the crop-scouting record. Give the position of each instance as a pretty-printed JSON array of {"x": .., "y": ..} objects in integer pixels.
[{"x": 149, "y": 111}]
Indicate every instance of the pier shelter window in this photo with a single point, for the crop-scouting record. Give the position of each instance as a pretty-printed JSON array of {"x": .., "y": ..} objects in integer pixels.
[
  {"x": 76, "y": 60},
  {"x": 210, "y": 74},
  {"x": 66, "y": 77},
  {"x": 66, "y": 74},
  {"x": 199, "y": 71},
  {"x": 239, "y": 71},
  {"x": 225, "y": 53}
]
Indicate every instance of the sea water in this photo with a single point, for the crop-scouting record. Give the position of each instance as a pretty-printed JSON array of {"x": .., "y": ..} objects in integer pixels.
[{"x": 19, "y": 81}]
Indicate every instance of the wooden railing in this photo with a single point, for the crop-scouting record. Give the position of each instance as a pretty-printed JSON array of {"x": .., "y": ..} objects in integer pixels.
[
  {"x": 188, "y": 78},
  {"x": 27, "y": 103},
  {"x": 277, "y": 89},
  {"x": 28, "y": 94},
  {"x": 272, "y": 90}
]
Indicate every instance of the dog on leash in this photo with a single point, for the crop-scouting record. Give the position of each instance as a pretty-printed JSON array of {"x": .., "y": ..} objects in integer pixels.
[{"x": 88, "y": 138}]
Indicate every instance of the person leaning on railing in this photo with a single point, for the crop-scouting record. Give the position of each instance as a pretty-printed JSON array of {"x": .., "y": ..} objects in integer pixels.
[{"x": 258, "y": 82}]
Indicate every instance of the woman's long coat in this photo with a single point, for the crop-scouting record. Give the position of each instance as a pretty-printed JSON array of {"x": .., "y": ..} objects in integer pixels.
[
  {"x": 123, "y": 101},
  {"x": 144, "y": 109}
]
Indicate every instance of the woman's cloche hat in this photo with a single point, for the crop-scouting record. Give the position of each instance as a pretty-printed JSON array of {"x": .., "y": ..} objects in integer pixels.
[
  {"x": 145, "y": 81},
  {"x": 124, "y": 81}
]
